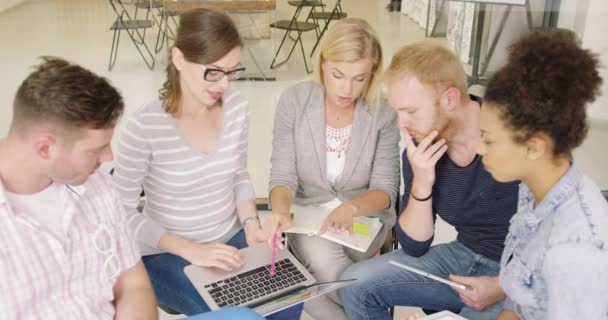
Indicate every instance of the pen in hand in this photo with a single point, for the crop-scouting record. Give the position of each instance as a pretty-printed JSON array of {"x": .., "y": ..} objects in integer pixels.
[{"x": 274, "y": 254}]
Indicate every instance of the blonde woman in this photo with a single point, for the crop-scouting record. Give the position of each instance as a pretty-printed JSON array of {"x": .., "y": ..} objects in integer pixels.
[
  {"x": 188, "y": 150},
  {"x": 335, "y": 145}
]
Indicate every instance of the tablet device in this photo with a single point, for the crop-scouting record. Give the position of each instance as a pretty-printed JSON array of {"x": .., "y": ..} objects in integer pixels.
[{"x": 428, "y": 275}]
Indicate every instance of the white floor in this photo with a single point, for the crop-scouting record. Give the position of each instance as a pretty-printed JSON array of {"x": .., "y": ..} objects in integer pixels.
[{"x": 78, "y": 31}]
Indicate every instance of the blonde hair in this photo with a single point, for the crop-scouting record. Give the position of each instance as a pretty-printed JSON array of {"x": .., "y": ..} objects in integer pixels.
[
  {"x": 351, "y": 40},
  {"x": 203, "y": 36},
  {"x": 432, "y": 64}
]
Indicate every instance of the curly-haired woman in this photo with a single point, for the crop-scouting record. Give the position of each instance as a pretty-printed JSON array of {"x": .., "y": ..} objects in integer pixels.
[{"x": 555, "y": 257}]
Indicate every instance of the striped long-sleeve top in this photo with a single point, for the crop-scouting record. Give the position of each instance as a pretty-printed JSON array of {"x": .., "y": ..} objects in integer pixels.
[{"x": 188, "y": 193}]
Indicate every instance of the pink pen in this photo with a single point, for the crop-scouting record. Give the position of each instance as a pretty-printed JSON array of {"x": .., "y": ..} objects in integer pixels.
[{"x": 273, "y": 257}]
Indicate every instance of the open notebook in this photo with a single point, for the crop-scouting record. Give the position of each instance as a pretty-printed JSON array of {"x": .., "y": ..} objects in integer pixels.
[
  {"x": 443, "y": 315},
  {"x": 308, "y": 220}
]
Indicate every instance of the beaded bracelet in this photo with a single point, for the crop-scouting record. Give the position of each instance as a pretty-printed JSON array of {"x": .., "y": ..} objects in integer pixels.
[{"x": 249, "y": 220}]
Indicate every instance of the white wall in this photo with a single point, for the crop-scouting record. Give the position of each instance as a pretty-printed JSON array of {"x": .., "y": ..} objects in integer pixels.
[
  {"x": 588, "y": 19},
  {"x": 7, "y": 4},
  {"x": 594, "y": 37},
  {"x": 516, "y": 25}
]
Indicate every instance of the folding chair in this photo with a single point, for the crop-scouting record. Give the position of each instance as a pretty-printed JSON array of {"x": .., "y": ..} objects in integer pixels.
[
  {"x": 327, "y": 16},
  {"x": 296, "y": 26},
  {"x": 148, "y": 6},
  {"x": 131, "y": 26},
  {"x": 165, "y": 32},
  {"x": 258, "y": 34}
]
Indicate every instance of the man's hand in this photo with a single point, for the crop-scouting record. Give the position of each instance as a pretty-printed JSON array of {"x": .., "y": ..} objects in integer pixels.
[
  {"x": 422, "y": 159},
  {"x": 340, "y": 219},
  {"x": 133, "y": 295},
  {"x": 485, "y": 292}
]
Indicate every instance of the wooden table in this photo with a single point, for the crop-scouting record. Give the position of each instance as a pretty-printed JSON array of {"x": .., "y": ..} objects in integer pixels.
[{"x": 226, "y": 5}]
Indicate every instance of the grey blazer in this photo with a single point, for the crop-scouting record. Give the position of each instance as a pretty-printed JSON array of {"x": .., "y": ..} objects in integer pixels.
[{"x": 299, "y": 150}]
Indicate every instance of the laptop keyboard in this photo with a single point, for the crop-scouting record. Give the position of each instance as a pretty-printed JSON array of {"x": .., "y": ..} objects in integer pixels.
[{"x": 255, "y": 283}]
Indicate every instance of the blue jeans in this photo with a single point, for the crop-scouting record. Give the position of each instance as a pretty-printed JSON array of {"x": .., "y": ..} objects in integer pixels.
[
  {"x": 174, "y": 290},
  {"x": 381, "y": 285}
]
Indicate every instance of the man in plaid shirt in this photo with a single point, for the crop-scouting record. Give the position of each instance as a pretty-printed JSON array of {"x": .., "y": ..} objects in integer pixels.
[{"x": 66, "y": 251}]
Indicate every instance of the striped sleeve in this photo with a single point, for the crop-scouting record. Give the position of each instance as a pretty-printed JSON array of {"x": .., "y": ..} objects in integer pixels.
[
  {"x": 243, "y": 187},
  {"x": 132, "y": 161}
]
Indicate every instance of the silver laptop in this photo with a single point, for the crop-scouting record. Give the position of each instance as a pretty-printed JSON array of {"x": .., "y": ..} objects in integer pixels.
[{"x": 252, "y": 286}]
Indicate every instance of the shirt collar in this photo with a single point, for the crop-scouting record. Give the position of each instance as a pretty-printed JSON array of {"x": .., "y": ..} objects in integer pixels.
[
  {"x": 562, "y": 190},
  {"x": 2, "y": 193},
  {"x": 77, "y": 191}
]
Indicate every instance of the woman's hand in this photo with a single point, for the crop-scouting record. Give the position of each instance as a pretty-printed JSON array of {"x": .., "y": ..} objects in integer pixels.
[
  {"x": 340, "y": 219},
  {"x": 275, "y": 225},
  {"x": 254, "y": 233},
  {"x": 485, "y": 291},
  {"x": 277, "y": 222},
  {"x": 217, "y": 255},
  {"x": 414, "y": 317}
]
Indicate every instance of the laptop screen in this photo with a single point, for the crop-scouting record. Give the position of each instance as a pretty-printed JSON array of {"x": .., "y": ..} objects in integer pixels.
[{"x": 300, "y": 295}]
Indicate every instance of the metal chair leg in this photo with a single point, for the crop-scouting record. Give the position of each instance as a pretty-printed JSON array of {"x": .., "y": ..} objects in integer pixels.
[
  {"x": 114, "y": 49},
  {"x": 150, "y": 62},
  {"x": 303, "y": 53},
  {"x": 160, "y": 37},
  {"x": 320, "y": 36},
  {"x": 255, "y": 61},
  {"x": 272, "y": 65}
]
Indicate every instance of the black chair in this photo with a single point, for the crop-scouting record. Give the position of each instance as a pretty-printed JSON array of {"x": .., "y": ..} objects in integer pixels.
[
  {"x": 132, "y": 27},
  {"x": 165, "y": 31},
  {"x": 328, "y": 16},
  {"x": 148, "y": 6},
  {"x": 298, "y": 26}
]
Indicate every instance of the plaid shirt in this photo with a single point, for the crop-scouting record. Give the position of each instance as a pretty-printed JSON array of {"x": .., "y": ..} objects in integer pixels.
[{"x": 43, "y": 276}]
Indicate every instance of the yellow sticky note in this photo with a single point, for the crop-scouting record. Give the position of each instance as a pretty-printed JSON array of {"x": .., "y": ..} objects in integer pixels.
[{"x": 360, "y": 228}]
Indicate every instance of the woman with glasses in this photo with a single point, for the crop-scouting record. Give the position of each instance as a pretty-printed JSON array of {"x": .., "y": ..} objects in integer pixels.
[
  {"x": 188, "y": 150},
  {"x": 534, "y": 114},
  {"x": 336, "y": 146}
]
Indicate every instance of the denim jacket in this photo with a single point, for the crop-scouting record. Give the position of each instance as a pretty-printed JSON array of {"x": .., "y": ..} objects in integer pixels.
[{"x": 555, "y": 262}]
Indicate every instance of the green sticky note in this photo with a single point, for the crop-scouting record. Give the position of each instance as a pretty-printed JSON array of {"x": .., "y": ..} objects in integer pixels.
[{"x": 360, "y": 228}]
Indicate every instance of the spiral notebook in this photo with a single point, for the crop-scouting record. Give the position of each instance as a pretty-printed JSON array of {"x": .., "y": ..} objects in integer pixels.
[{"x": 308, "y": 220}]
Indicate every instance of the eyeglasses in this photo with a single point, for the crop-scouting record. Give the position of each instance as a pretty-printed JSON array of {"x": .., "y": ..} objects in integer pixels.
[
  {"x": 104, "y": 244},
  {"x": 215, "y": 75}
]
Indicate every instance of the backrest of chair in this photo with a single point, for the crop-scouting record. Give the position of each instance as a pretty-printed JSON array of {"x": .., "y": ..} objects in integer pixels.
[
  {"x": 335, "y": 12},
  {"x": 119, "y": 9},
  {"x": 300, "y": 7}
]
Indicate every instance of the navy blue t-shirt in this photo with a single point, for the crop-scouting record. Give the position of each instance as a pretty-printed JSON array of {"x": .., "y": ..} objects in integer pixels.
[{"x": 469, "y": 199}]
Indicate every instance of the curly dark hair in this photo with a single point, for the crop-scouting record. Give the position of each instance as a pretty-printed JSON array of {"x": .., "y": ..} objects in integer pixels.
[{"x": 544, "y": 87}]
